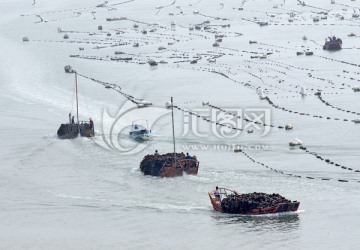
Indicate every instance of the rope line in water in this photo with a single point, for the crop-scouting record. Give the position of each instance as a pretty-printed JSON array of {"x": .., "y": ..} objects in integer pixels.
[
  {"x": 328, "y": 160},
  {"x": 306, "y": 114},
  {"x": 334, "y": 107},
  {"x": 245, "y": 119},
  {"x": 115, "y": 87},
  {"x": 290, "y": 174}
]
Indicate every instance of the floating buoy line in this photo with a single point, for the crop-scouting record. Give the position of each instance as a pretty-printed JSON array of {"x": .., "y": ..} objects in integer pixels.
[
  {"x": 113, "y": 86},
  {"x": 245, "y": 119},
  {"x": 334, "y": 107},
  {"x": 328, "y": 160},
  {"x": 293, "y": 175},
  {"x": 303, "y": 113}
]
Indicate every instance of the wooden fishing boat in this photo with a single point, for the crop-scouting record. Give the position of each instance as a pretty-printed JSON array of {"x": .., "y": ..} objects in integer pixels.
[
  {"x": 166, "y": 166},
  {"x": 73, "y": 129},
  {"x": 275, "y": 207},
  {"x": 170, "y": 164}
]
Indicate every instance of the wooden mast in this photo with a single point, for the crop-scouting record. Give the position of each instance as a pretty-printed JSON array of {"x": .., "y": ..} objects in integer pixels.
[
  {"x": 77, "y": 101},
  {"x": 173, "y": 129}
]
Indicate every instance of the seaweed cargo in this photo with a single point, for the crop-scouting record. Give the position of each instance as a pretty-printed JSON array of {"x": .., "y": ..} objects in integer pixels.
[
  {"x": 232, "y": 202},
  {"x": 167, "y": 165}
]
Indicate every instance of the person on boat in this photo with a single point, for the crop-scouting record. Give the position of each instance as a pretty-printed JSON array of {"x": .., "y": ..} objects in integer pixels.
[
  {"x": 91, "y": 123},
  {"x": 136, "y": 126},
  {"x": 156, "y": 153},
  {"x": 187, "y": 157},
  {"x": 217, "y": 193},
  {"x": 73, "y": 120}
]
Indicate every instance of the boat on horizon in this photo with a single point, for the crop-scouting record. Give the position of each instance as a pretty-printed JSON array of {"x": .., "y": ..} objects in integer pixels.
[
  {"x": 332, "y": 44},
  {"x": 232, "y": 202}
]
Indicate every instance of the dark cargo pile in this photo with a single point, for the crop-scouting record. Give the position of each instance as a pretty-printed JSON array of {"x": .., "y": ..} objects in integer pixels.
[
  {"x": 152, "y": 164},
  {"x": 243, "y": 203}
]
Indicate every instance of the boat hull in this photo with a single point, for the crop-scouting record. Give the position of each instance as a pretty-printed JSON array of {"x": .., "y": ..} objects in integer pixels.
[
  {"x": 71, "y": 131},
  {"x": 161, "y": 168},
  {"x": 332, "y": 46},
  {"x": 277, "y": 208},
  {"x": 182, "y": 166}
]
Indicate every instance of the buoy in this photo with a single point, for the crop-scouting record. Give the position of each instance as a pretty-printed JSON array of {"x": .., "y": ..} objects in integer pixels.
[{"x": 303, "y": 91}]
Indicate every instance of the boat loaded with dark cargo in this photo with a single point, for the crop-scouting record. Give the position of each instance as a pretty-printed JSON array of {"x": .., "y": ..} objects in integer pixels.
[
  {"x": 170, "y": 164},
  {"x": 229, "y": 201},
  {"x": 332, "y": 44},
  {"x": 167, "y": 165}
]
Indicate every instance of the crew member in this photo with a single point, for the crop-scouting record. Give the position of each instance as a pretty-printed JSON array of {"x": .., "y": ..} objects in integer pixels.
[
  {"x": 217, "y": 193},
  {"x": 91, "y": 123}
]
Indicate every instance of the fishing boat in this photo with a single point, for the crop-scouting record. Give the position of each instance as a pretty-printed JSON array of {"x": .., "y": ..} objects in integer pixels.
[
  {"x": 140, "y": 131},
  {"x": 170, "y": 164},
  {"x": 73, "y": 129},
  {"x": 332, "y": 44},
  {"x": 230, "y": 201}
]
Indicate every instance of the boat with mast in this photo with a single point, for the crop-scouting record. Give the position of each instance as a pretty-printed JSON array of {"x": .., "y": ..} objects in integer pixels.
[
  {"x": 72, "y": 130},
  {"x": 170, "y": 164}
]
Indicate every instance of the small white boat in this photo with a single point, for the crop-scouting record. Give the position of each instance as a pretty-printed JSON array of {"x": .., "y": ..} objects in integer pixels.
[
  {"x": 316, "y": 19},
  {"x": 140, "y": 131},
  {"x": 356, "y": 120},
  {"x": 295, "y": 142}
]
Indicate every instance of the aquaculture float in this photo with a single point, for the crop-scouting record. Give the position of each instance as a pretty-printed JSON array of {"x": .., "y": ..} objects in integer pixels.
[{"x": 229, "y": 201}]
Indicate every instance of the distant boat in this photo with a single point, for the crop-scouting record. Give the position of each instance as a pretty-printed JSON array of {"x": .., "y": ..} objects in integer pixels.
[
  {"x": 72, "y": 130},
  {"x": 332, "y": 44},
  {"x": 140, "y": 131},
  {"x": 25, "y": 39}
]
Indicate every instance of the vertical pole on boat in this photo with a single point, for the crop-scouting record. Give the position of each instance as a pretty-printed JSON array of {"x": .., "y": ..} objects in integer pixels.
[
  {"x": 77, "y": 101},
  {"x": 173, "y": 128}
]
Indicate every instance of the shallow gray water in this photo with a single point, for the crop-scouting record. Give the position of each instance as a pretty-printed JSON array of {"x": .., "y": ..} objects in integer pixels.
[{"x": 79, "y": 194}]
